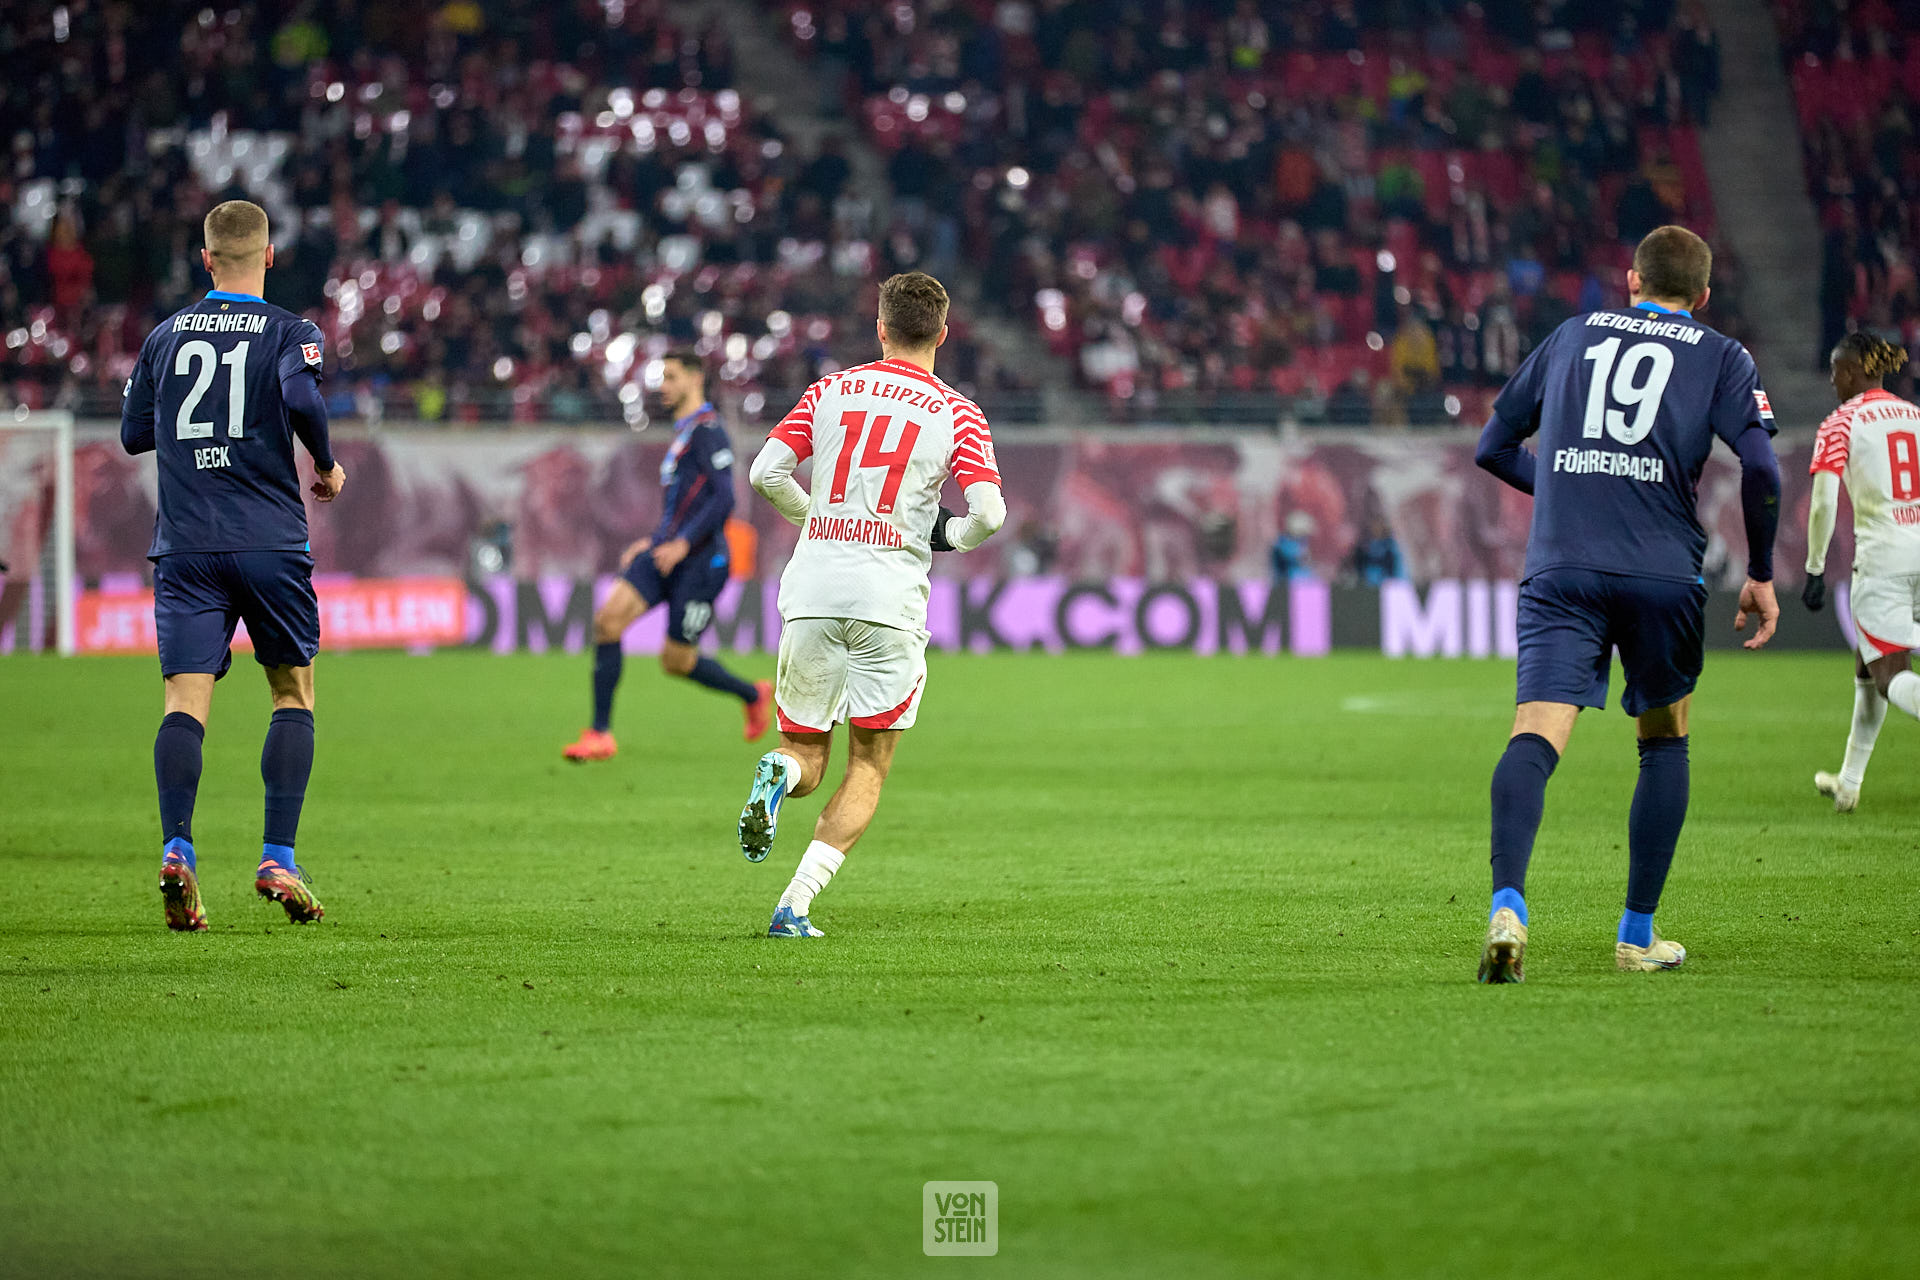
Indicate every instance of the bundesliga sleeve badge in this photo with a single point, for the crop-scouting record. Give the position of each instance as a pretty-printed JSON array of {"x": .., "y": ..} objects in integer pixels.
[
  {"x": 1760, "y": 403},
  {"x": 310, "y": 351}
]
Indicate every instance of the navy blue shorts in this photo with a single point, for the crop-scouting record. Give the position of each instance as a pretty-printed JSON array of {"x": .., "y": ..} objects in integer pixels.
[
  {"x": 690, "y": 590},
  {"x": 199, "y": 597},
  {"x": 1571, "y": 620}
]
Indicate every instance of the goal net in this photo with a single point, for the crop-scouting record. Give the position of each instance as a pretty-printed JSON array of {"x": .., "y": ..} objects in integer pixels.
[{"x": 38, "y": 583}]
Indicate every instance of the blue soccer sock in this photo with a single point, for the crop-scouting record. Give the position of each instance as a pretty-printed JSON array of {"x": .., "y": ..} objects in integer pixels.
[
  {"x": 1510, "y": 900},
  {"x": 182, "y": 849},
  {"x": 286, "y": 762},
  {"x": 1519, "y": 800},
  {"x": 1653, "y": 824},
  {"x": 176, "y": 773},
  {"x": 1636, "y": 928},
  {"x": 607, "y": 661},
  {"x": 716, "y": 677},
  {"x": 282, "y": 854}
]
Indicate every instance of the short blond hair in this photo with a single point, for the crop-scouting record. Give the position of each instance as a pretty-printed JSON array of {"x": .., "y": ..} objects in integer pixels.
[
  {"x": 236, "y": 231},
  {"x": 913, "y": 306}
]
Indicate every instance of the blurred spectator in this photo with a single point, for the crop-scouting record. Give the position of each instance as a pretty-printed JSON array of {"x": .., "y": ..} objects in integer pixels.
[
  {"x": 496, "y": 210},
  {"x": 1221, "y": 198},
  {"x": 1376, "y": 557},
  {"x": 1856, "y": 79},
  {"x": 1288, "y": 556}
]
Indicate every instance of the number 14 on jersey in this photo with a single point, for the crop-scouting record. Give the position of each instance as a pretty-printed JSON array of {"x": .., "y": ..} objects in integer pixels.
[{"x": 856, "y": 423}]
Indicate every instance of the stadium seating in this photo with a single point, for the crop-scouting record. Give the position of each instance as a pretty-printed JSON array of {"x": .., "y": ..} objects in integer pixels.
[
  {"x": 1374, "y": 209},
  {"x": 1856, "y": 80},
  {"x": 1227, "y": 208},
  {"x": 485, "y": 231}
]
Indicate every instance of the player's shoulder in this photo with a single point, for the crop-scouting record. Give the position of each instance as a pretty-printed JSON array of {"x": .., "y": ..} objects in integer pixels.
[
  {"x": 290, "y": 319},
  {"x": 711, "y": 433},
  {"x": 966, "y": 414}
]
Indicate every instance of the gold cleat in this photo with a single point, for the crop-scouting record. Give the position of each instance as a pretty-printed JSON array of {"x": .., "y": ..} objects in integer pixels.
[
  {"x": 1506, "y": 950},
  {"x": 1660, "y": 954}
]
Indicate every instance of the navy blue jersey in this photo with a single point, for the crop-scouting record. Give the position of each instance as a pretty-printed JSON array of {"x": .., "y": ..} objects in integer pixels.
[
  {"x": 210, "y": 397},
  {"x": 1626, "y": 403},
  {"x": 697, "y": 474}
]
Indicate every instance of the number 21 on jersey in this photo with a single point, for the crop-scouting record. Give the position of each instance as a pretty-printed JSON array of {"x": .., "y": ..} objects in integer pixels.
[
  {"x": 202, "y": 358},
  {"x": 1631, "y": 389},
  {"x": 855, "y": 423}
]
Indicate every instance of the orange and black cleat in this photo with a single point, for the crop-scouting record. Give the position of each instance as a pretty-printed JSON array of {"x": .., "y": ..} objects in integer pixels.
[
  {"x": 760, "y": 711},
  {"x": 594, "y": 744},
  {"x": 288, "y": 886},
  {"x": 180, "y": 892}
]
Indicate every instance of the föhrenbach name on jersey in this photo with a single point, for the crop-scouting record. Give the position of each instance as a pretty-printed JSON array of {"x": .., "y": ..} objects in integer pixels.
[{"x": 1606, "y": 462}]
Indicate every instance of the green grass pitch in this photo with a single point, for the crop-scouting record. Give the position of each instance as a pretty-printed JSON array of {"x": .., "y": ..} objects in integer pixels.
[{"x": 1179, "y": 952}]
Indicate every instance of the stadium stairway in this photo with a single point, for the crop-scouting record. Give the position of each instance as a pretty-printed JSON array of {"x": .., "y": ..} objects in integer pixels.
[
  {"x": 1753, "y": 158},
  {"x": 791, "y": 95}
]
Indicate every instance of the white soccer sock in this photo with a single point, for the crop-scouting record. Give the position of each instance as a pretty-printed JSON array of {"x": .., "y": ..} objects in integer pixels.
[
  {"x": 794, "y": 772},
  {"x": 1869, "y": 713},
  {"x": 1904, "y": 693},
  {"x": 816, "y": 867}
]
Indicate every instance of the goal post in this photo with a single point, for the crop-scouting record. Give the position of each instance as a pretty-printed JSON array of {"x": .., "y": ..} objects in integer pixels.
[{"x": 52, "y": 560}]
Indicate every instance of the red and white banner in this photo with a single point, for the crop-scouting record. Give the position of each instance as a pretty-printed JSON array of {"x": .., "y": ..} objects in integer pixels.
[{"x": 383, "y": 613}]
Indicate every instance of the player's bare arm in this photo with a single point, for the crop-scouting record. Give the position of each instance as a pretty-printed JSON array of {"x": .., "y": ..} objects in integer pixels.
[
  {"x": 327, "y": 484},
  {"x": 668, "y": 555},
  {"x": 1757, "y": 602}
]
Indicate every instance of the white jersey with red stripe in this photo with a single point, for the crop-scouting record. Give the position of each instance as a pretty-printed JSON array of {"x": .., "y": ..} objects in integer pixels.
[
  {"x": 1872, "y": 442},
  {"x": 883, "y": 437}
]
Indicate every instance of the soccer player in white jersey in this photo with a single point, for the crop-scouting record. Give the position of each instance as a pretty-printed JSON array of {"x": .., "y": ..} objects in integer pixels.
[
  {"x": 883, "y": 437},
  {"x": 1872, "y": 441}
]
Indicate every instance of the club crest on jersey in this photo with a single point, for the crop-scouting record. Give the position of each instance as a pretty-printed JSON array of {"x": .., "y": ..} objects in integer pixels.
[
  {"x": 310, "y": 352},
  {"x": 1760, "y": 402}
]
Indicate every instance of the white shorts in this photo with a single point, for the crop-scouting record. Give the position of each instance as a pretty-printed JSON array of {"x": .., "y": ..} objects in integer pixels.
[
  {"x": 834, "y": 669},
  {"x": 1886, "y": 615}
]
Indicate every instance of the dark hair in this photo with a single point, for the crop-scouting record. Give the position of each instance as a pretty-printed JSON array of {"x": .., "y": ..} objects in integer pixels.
[
  {"x": 689, "y": 359},
  {"x": 913, "y": 306},
  {"x": 1877, "y": 356},
  {"x": 1673, "y": 263}
]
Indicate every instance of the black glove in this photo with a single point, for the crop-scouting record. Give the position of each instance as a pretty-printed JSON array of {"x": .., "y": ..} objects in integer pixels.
[
  {"x": 1814, "y": 594},
  {"x": 938, "y": 538}
]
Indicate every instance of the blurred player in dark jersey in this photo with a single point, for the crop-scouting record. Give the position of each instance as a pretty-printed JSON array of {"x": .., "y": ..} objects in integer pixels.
[
  {"x": 220, "y": 391},
  {"x": 683, "y": 563},
  {"x": 1627, "y": 403}
]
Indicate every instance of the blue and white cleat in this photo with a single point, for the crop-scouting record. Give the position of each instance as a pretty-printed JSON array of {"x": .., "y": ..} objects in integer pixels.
[
  {"x": 788, "y": 925},
  {"x": 760, "y": 820}
]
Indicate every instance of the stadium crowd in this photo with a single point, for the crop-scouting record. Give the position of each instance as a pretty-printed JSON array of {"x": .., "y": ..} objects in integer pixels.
[
  {"x": 1856, "y": 82},
  {"x": 1376, "y": 207},
  {"x": 497, "y": 210},
  {"x": 1367, "y": 209}
]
